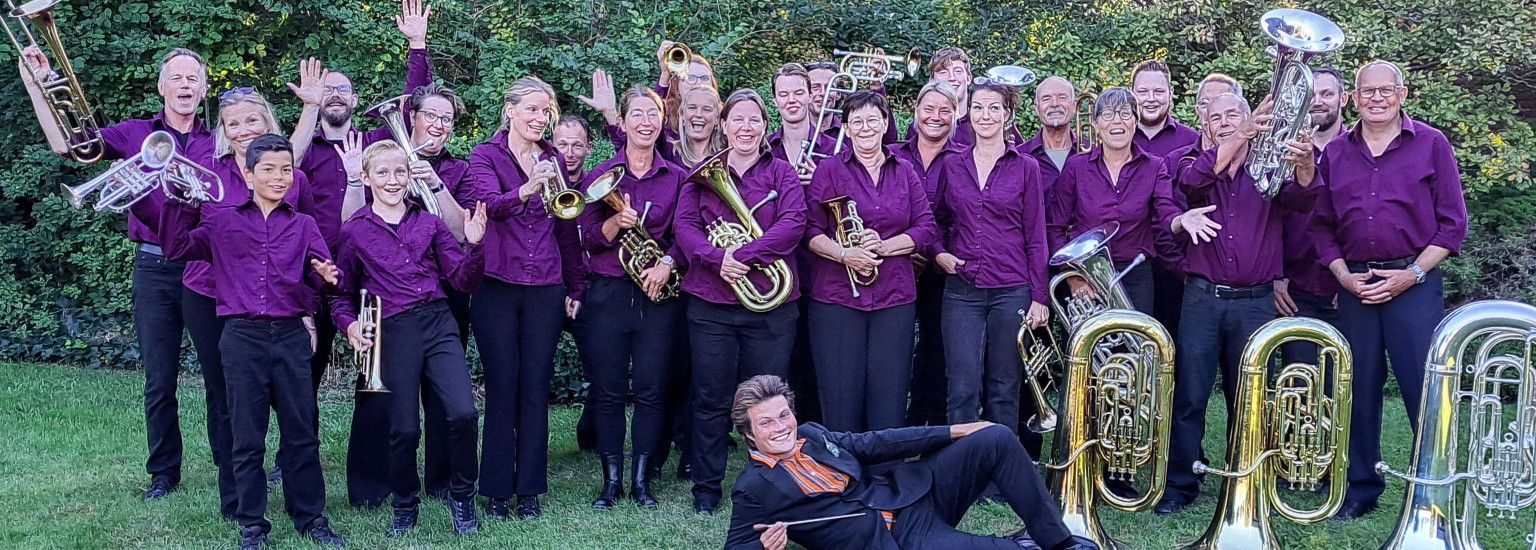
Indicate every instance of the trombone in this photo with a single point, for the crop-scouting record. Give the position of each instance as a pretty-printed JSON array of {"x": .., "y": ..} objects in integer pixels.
[
  {"x": 69, "y": 111},
  {"x": 841, "y": 83},
  {"x": 157, "y": 166},
  {"x": 1082, "y": 124},
  {"x": 874, "y": 66},
  {"x": 394, "y": 117}
]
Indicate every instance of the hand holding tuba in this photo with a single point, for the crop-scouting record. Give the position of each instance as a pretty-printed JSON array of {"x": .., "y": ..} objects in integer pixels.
[{"x": 1298, "y": 35}]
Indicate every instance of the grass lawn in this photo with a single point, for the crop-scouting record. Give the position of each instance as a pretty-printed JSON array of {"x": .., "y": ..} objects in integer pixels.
[{"x": 73, "y": 454}]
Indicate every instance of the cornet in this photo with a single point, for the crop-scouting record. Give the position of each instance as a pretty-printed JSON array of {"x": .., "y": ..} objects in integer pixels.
[
  {"x": 157, "y": 166},
  {"x": 369, "y": 362},
  {"x": 394, "y": 117},
  {"x": 875, "y": 67},
  {"x": 1298, "y": 35},
  {"x": 638, "y": 251},
  {"x": 677, "y": 59},
  {"x": 849, "y": 234},
  {"x": 69, "y": 111}
]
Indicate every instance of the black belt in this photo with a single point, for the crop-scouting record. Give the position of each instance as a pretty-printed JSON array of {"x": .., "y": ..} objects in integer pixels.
[
  {"x": 1362, "y": 267},
  {"x": 1230, "y": 292}
]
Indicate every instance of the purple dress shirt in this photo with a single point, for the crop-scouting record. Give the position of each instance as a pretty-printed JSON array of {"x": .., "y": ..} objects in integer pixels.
[
  {"x": 404, "y": 267},
  {"x": 199, "y": 274},
  {"x": 779, "y": 148},
  {"x": 1142, "y": 202},
  {"x": 660, "y": 187},
  {"x": 1172, "y": 137},
  {"x": 782, "y": 220},
  {"x": 998, "y": 230},
  {"x": 908, "y": 151},
  {"x": 963, "y": 136},
  {"x": 260, "y": 263},
  {"x": 126, "y": 139},
  {"x": 1035, "y": 147},
  {"x": 1249, "y": 247},
  {"x": 524, "y": 244}
]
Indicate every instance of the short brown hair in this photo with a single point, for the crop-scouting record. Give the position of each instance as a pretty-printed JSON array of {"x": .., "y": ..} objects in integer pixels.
[
  {"x": 794, "y": 70},
  {"x": 757, "y": 389},
  {"x": 421, "y": 93},
  {"x": 1151, "y": 66},
  {"x": 947, "y": 55}
]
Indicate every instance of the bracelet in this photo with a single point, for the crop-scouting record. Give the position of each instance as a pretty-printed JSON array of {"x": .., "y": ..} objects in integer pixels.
[
  {"x": 354, "y": 182},
  {"x": 842, "y": 254}
]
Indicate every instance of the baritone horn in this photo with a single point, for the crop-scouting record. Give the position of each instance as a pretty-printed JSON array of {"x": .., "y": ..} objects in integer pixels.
[
  {"x": 68, "y": 109},
  {"x": 369, "y": 362},
  {"x": 1117, "y": 420},
  {"x": 849, "y": 233},
  {"x": 1087, "y": 257},
  {"x": 1492, "y": 345},
  {"x": 713, "y": 174},
  {"x": 1298, "y": 35},
  {"x": 1296, "y": 431},
  {"x": 157, "y": 166},
  {"x": 874, "y": 66},
  {"x": 393, "y": 114},
  {"x": 638, "y": 251}
]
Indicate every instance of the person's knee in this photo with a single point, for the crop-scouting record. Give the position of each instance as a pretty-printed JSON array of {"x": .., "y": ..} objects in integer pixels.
[{"x": 462, "y": 418}]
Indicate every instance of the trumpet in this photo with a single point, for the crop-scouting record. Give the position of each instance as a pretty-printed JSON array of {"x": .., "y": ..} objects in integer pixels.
[
  {"x": 638, "y": 251},
  {"x": 849, "y": 234},
  {"x": 874, "y": 66},
  {"x": 840, "y": 83},
  {"x": 70, "y": 112},
  {"x": 394, "y": 117},
  {"x": 677, "y": 59},
  {"x": 1298, "y": 35},
  {"x": 1038, "y": 355},
  {"x": 1082, "y": 124},
  {"x": 157, "y": 166},
  {"x": 368, "y": 362},
  {"x": 713, "y": 174}
]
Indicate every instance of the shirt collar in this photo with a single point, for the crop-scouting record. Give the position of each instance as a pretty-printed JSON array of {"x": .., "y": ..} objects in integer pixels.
[
  {"x": 1410, "y": 127},
  {"x": 773, "y": 461},
  {"x": 1037, "y": 143},
  {"x": 197, "y": 123},
  {"x": 1098, "y": 152}
]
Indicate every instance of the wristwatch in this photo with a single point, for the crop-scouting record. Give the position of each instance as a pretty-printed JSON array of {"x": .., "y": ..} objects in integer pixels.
[
  {"x": 668, "y": 261},
  {"x": 1418, "y": 273}
]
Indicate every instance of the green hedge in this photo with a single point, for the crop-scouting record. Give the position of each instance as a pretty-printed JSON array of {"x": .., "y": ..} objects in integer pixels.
[{"x": 64, "y": 274}]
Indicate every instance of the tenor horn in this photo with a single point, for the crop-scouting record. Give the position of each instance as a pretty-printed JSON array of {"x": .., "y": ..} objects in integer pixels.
[
  {"x": 394, "y": 117},
  {"x": 157, "y": 166},
  {"x": 68, "y": 109},
  {"x": 1298, "y": 35},
  {"x": 1296, "y": 431},
  {"x": 1491, "y": 345},
  {"x": 723, "y": 233},
  {"x": 638, "y": 251}
]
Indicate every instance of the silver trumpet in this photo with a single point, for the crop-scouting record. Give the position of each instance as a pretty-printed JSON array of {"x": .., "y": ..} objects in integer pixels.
[{"x": 157, "y": 166}]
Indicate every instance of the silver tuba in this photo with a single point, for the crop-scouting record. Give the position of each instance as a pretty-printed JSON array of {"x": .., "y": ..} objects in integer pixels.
[
  {"x": 1298, "y": 35},
  {"x": 393, "y": 114},
  {"x": 157, "y": 166},
  {"x": 1491, "y": 345},
  {"x": 1087, "y": 257}
]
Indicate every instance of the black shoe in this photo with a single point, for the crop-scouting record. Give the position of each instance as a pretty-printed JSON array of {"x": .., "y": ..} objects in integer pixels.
[
  {"x": 1021, "y": 537},
  {"x": 1123, "y": 489},
  {"x": 528, "y": 507},
  {"x": 159, "y": 487},
  {"x": 705, "y": 504},
  {"x": 1076, "y": 543},
  {"x": 497, "y": 508},
  {"x": 253, "y": 542},
  {"x": 640, "y": 487},
  {"x": 405, "y": 520},
  {"x": 613, "y": 480},
  {"x": 1351, "y": 510},
  {"x": 274, "y": 477},
  {"x": 465, "y": 521},
  {"x": 1170, "y": 505},
  {"x": 322, "y": 534}
]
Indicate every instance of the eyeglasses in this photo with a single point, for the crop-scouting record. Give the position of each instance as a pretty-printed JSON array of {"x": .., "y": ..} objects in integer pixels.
[
  {"x": 862, "y": 123},
  {"x": 1379, "y": 91},
  {"x": 1121, "y": 114},
  {"x": 696, "y": 80},
  {"x": 342, "y": 89},
  {"x": 434, "y": 118}
]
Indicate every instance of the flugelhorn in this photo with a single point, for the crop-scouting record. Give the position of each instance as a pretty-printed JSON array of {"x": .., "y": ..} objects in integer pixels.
[
  {"x": 638, "y": 251},
  {"x": 1296, "y": 431},
  {"x": 70, "y": 112},
  {"x": 713, "y": 174},
  {"x": 1116, "y": 419},
  {"x": 369, "y": 362},
  {"x": 875, "y": 67},
  {"x": 560, "y": 199},
  {"x": 848, "y": 233},
  {"x": 1298, "y": 35},
  {"x": 1491, "y": 345},
  {"x": 157, "y": 166},
  {"x": 393, "y": 115}
]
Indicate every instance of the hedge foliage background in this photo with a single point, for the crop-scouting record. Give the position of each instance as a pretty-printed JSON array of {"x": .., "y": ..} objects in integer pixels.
[{"x": 65, "y": 289}]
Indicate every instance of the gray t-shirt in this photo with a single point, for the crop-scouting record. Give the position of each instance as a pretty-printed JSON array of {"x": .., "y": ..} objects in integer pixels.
[{"x": 1058, "y": 156}]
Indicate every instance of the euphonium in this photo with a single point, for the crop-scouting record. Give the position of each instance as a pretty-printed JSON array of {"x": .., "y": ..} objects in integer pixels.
[
  {"x": 1491, "y": 344},
  {"x": 843, "y": 84},
  {"x": 677, "y": 59},
  {"x": 1087, "y": 257},
  {"x": 71, "y": 112},
  {"x": 875, "y": 67},
  {"x": 1297, "y": 431},
  {"x": 394, "y": 117},
  {"x": 369, "y": 362},
  {"x": 849, "y": 234},
  {"x": 157, "y": 166},
  {"x": 638, "y": 251},
  {"x": 1116, "y": 420},
  {"x": 713, "y": 174},
  {"x": 1298, "y": 35},
  {"x": 1082, "y": 124}
]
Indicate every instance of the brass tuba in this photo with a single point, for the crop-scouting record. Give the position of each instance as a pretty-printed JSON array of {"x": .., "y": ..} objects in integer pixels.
[
  {"x": 393, "y": 114},
  {"x": 638, "y": 251},
  {"x": 1117, "y": 419},
  {"x": 1297, "y": 431},
  {"x": 1298, "y": 35},
  {"x": 71, "y": 112},
  {"x": 1500, "y": 435},
  {"x": 845, "y": 213},
  {"x": 712, "y": 173},
  {"x": 157, "y": 166},
  {"x": 368, "y": 362},
  {"x": 874, "y": 66}
]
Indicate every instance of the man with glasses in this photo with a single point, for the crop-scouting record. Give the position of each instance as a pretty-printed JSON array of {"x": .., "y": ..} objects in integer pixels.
[{"x": 1390, "y": 212}]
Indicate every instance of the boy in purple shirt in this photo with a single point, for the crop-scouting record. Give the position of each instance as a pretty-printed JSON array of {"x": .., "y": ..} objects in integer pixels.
[{"x": 268, "y": 260}]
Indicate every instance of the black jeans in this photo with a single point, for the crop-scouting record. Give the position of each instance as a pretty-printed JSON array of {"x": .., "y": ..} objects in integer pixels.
[
  {"x": 1212, "y": 334},
  {"x": 422, "y": 355},
  {"x": 266, "y": 368},
  {"x": 157, "y": 323},
  {"x": 435, "y": 469},
  {"x": 862, "y": 364},
  {"x": 930, "y": 389},
  {"x": 206, "y": 328},
  {"x": 730, "y": 344},
  {"x": 1138, "y": 285},
  {"x": 981, "y": 348},
  {"x": 1316, "y": 307},
  {"x": 516, "y": 328},
  {"x": 622, "y": 327}
]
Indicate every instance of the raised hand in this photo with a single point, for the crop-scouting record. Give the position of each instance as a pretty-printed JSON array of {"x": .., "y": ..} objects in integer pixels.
[
  {"x": 603, "y": 98},
  {"x": 351, "y": 152},
  {"x": 412, "y": 22},
  {"x": 474, "y": 224},
  {"x": 311, "y": 86}
]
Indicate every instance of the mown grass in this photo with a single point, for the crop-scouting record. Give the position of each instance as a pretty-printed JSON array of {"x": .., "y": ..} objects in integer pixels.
[{"x": 72, "y": 454}]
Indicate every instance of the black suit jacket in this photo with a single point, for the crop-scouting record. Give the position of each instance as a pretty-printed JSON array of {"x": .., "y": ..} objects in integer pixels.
[{"x": 766, "y": 495}]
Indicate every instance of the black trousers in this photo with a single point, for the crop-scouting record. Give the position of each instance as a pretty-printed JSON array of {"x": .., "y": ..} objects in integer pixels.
[
  {"x": 1316, "y": 307},
  {"x": 1167, "y": 297},
  {"x": 981, "y": 350},
  {"x": 730, "y": 344},
  {"x": 435, "y": 464},
  {"x": 802, "y": 363},
  {"x": 1139, "y": 285},
  {"x": 206, "y": 329},
  {"x": 422, "y": 355},
  {"x": 325, "y": 341},
  {"x": 516, "y": 328},
  {"x": 961, "y": 471},
  {"x": 266, "y": 369},
  {"x": 157, "y": 324},
  {"x": 1211, "y": 340},
  {"x": 622, "y": 328},
  {"x": 930, "y": 389},
  {"x": 863, "y": 361}
]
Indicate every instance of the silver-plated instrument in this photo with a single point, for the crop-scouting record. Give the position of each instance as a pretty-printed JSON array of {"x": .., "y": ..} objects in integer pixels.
[
  {"x": 1007, "y": 75},
  {"x": 157, "y": 166},
  {"x": 393, "y": 114},
  {"x": 1298, "y": 35},
  {"x": 874, "y": 66}
]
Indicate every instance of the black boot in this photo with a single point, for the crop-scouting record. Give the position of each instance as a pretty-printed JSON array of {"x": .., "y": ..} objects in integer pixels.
[
  {"x": 640, "y": 489},
  {"x": 613, "y": 480},
  {"x": 528, "y": 507}
]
